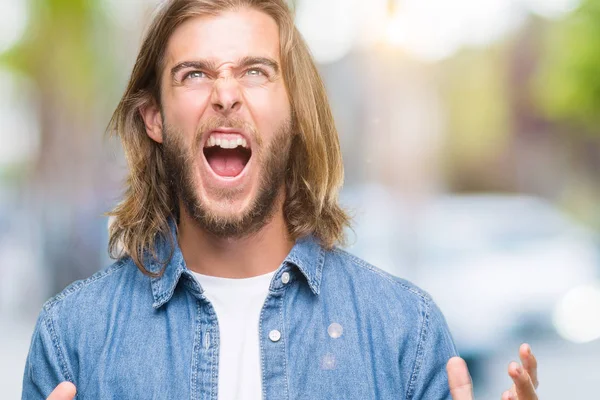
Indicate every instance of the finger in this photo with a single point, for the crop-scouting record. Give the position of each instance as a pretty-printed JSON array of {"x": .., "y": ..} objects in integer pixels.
[
  {"x": 459, "y": 380},
  {"x": 529, "y": 363},
  {"x": 64, "y": 391},
  {"x": 524, "y": 386},
  {"x": 508, "y": 395}
]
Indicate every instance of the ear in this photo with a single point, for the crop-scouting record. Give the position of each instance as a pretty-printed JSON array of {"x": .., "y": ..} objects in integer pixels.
[{"x": 150, "y": 113}]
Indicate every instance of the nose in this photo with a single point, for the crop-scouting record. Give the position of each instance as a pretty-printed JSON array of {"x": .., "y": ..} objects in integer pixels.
[{"x": 226, "y": 97}]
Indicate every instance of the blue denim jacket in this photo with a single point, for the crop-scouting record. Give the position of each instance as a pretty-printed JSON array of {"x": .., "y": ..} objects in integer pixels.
[{"x": 332, "y": 327}]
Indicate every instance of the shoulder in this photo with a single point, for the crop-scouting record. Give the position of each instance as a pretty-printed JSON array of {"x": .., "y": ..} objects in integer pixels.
[
  {"x": 412, "y": 322},
  {"x": 340, "y": 262},
  {"x": 87, "y": 296},
  {"x": 394, "y": 299},
  {"x": 78, "y": 312}
]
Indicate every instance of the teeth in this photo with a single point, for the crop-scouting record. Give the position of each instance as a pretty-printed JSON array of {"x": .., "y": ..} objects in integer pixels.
[{"x": 225, "y": 143}]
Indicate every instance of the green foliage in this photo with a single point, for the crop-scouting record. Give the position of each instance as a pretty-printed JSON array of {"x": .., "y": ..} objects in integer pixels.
[
  {"x": 474, "y": 89},
  {"x": 568, "y": 85},
  {"x": 60, "y": 50}
]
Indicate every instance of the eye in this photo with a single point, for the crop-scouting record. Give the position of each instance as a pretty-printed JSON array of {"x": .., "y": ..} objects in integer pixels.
[
  {"x": 194, "y": 75},
  {"x": 255, "y": 72}
]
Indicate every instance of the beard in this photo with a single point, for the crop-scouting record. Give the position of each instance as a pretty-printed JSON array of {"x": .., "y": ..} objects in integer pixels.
[{"x": 272, "y": 161}]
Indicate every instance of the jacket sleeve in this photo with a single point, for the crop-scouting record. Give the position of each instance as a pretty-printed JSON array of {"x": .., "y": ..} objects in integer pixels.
[
  {"x": 429, "y": 379},
  {"x": 46, "y": 366}
]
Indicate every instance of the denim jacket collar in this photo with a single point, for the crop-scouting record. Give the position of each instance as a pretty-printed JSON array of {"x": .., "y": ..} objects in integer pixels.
[{"x": 307, "y": 255}]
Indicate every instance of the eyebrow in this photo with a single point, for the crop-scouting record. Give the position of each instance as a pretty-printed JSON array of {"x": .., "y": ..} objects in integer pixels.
[
  {"x": 269, "y": 62},
  {"x": 211, "y": 66},
  {"x": 200, "y": 64}
]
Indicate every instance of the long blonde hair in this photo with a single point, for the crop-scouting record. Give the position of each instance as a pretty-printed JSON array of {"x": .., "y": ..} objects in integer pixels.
[{"x": 315, "y": 171}]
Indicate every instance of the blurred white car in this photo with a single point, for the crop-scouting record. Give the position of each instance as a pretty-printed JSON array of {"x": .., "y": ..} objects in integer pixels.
[{"x": 497, "y": 265}]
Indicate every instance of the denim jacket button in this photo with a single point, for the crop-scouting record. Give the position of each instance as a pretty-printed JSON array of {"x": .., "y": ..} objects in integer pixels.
[
  {"x": 285, "y": 277},
  {"x": 274, "y": 335}
]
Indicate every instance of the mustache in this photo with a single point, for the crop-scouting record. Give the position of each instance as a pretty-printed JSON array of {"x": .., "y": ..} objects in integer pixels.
[{"x": 216, "y": 122}]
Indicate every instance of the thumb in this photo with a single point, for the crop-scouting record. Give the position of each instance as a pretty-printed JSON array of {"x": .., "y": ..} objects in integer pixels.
[
  {"x": 459, "y": 380},
  {"x": 64, "y": 391}
]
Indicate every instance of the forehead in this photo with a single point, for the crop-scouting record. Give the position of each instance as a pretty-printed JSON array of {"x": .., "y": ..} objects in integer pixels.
[{"x": 224, "y": 38}]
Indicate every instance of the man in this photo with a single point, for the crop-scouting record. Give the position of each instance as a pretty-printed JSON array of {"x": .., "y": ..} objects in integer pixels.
[{"x": 228, "y": 283}]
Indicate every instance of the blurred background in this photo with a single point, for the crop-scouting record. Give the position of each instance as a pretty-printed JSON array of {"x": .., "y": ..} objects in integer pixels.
[{"x": 471, "y": 137}]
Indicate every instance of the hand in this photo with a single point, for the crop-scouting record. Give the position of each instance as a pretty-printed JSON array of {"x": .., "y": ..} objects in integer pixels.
[
  {"x": 64, "y": 391},
  {"x": 524, "y": 378}
]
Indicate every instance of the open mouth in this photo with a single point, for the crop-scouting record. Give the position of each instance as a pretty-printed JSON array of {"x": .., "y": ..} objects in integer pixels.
[{"x": 227, "y": 154}]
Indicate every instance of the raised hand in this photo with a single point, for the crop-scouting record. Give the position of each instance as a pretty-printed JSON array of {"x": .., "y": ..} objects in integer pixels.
[{"x": 524, "y": 376}]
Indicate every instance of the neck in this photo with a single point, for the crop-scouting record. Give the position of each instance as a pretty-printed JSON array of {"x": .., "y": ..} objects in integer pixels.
[{"x": 257, "y": 254}]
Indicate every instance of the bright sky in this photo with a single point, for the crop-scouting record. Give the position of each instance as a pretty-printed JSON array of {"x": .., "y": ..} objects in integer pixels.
[
  {"x": 428, "y": 29},
  {"x": 13, "y": 20}
]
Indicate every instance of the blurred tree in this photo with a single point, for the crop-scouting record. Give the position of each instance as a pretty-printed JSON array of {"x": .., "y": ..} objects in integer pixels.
[
  {"x": 567, "y": 91},
  {"x": 568, "y": 83},
  {"x": 67, "y": 53},
  {"x": 475, "y": 86},
  {"x": 519, "y": 111}
]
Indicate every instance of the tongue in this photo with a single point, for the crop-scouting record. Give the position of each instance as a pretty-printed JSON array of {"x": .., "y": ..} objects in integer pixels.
[{"x": 226, "y": 162}]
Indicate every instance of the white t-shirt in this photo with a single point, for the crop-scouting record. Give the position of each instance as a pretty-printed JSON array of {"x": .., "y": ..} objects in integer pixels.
[{"x": 237, "y": 303}]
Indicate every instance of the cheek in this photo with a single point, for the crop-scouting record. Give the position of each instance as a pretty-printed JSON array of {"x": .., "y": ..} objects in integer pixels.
[
  {"x": 184, "y": 109},
  {"x": 269, "y": 110}
]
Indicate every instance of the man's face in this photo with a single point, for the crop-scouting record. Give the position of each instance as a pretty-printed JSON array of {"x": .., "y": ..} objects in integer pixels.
[{"x": 226, "y": 120}]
